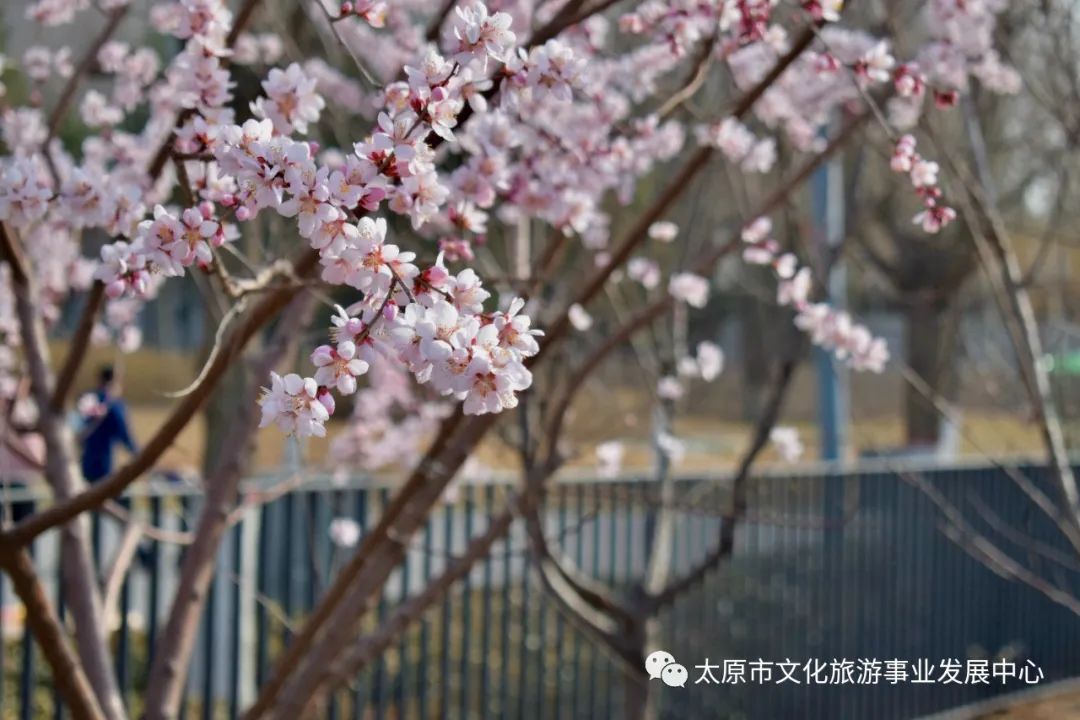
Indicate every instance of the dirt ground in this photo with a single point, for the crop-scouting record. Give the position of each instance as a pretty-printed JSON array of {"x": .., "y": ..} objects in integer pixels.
[
  {"x": 1061, "y": 708},
  {"x": 1056, "y": 702}
]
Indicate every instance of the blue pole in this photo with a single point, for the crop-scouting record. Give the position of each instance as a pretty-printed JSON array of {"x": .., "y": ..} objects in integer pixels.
[{"x": 827, "y": 189}]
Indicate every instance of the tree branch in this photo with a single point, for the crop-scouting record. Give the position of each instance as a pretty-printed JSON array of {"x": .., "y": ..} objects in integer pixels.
[
  {"x": 1012, "y": 277},
  {"x": 173, "y": 655},
  {"x": 681, "y": 180},
  {"x": 739, "y": 486},
  {"x": 56, "y": 117},
  {"x": 982, "y": 549},
  {"x": 67, "y": 673},
  {"x": 372, "y": 646},
  {"x": 79, "y": 341},
  {"x": 118, "y": 568},
  {"x": 261, "y": 313},
  {"x": 380, "y": 537},
  {"x": 78, "y": 572}
]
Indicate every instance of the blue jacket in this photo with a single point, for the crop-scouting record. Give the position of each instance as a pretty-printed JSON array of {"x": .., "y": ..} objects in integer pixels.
[{"x": 104, "y": 432}]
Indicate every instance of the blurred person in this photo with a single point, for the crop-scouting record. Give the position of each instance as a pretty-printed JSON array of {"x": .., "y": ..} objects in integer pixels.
[{"x": 103, "y": 417}]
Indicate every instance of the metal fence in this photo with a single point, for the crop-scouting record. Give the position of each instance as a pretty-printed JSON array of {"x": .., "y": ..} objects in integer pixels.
[{"x": 826, "y": 566}]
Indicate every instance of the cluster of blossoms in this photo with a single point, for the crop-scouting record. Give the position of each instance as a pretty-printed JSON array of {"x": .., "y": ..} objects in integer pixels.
[
  {"x": 739, "y": 145},
  {"x": 162, "y": 247},
  {"x": 344, "y": 532},
  {"x": 432, "y": 321},
  {"x": 373, "y": 12},
  {"x": 924, "y": 178},
  {"x": 553, "y": 131},
  {"x": 609, "y": 457},
  {"x": 828, "y": 327},
  {"x": 706, "y": 366},
  {"x": 391, "y": 418}
]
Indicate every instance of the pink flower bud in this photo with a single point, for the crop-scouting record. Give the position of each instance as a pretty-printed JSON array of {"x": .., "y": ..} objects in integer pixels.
[
  {"x": 945, "y": 99},
  {"x": 327, "y": 400},
  {"x": 346, "y": 8},
  {"x": 436, "y": 275},
  {"x": 243, "y": 214}
]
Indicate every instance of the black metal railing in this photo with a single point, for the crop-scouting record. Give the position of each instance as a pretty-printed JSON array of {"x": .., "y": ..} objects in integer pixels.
[{"x": 827, "y": 566}]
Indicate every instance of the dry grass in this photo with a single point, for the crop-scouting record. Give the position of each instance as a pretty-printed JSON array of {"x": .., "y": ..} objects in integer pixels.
[
  {"x": 712, "y": 444},
  {"x": 711, "y": 429}
]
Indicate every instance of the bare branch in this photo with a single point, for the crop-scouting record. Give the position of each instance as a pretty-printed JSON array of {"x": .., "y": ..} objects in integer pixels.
[
  {"x": 372, "y": 646},
  {"x": 992, "y": 230},
  {"x": 739, "y": 485},
  {"x": 982, "y": 549},
  {"x": 79, "y": 576},
  {"x": 245, "y": 329},
  {"x": 56, "y": 117},
  {"x": 172, "y": 658},
  {"x": 79, "y": 341},
  {"x": 118, "y": 568},
  {"x": 380, "y": 537},
  {"x": 694, "y": 82}
]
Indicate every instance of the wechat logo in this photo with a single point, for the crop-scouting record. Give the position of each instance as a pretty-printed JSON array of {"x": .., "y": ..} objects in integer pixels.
[{"x": 661, "y": 664}]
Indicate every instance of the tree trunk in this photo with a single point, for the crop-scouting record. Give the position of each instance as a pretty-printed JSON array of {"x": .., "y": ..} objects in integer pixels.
[
  {"x": 221, "y": 408},
  {"x": 642, "y": 693},
  {"x": 930, "y": 344},
  {"x": 235, "y": 448},
  {"x": 755, "y": 356}
]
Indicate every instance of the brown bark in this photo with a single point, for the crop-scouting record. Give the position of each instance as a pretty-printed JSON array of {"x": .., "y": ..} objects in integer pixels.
[
  {"x": 931, "y": 342},
  {"x": 357, "y": 586},
  {"x": 79, "y": 576},
  {"x": 251, "y": 321},
  {"x": 173, "y": 656},
  {"x": 67, "y": 673}
]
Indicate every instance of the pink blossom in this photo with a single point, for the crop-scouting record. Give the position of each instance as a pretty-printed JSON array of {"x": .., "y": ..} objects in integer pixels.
[
  {"x": 579, "y": 318},
  {"x": 663, "y": 231},
  {"x": 669, "y": 388},
  {"x": 787, "y": 443},
  {"x": 610, "y": 458},
  {"x": 344, "y": 532},
  {"x": 291, "y": 101},
  {"x": 710, "y": 360},
  {"x": 689, "y": 288},
  {"x": 292, "y": 404},
  {"x": 480, "y": 36}
]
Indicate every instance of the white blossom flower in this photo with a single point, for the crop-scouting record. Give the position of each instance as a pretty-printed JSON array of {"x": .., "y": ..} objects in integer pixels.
[
  {"x": 292, "y": 403},
  {"x": 663, "y": 231},
  {"x": 787, "y": 443},
  {"x": 579, "y": 318},
  {"x": 690, "y": 289},
  {"x": 344, "y": 532}
]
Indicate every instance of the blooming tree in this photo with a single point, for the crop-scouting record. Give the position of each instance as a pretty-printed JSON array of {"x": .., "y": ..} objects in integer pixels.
[{"x": 409, "y": 179}]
